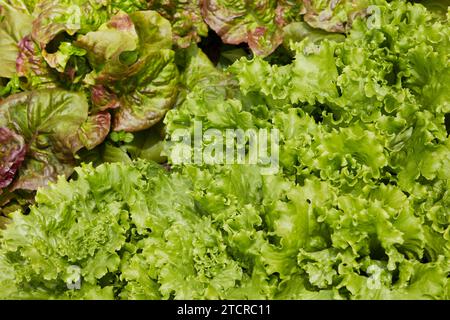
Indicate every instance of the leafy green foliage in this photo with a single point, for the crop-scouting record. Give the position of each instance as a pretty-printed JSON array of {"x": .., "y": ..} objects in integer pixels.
[
  {"x": 48, "y": 121},
  {"x": 119, "y": 65},
  {"x": 359, "y": 91},
  {"x": 15, "y": 23},
  {"x": 135, "y": 231},
  {"x": 364, "y": 154}
]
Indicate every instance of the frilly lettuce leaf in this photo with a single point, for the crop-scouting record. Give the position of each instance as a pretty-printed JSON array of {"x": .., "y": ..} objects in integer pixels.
[
  {"x": 429, "y": 71},
  {"x": 129, "y": 6},
  {"x": 148, "y": 262},
  {"x": 424, "y": 282},
  {"x": 203, "y": 90},
  {"x": 352, "y": 153},
  {"x": 358, "y": 210},
  {"x": 62, "y": 263},
  {"x": 360, "y": 206},
  {"x": 218, "y": 232},
  {"x": 310, "y": 77},
  {"x": 296, "y": 289}
]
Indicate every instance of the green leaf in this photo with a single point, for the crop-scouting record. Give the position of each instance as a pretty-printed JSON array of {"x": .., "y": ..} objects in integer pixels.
[
  {"x": 241, "y": 21},
  {"x": 15, "y": 23},
  {"x": 46, "y": 119},
  {"x": 186, "y": 19},
  {"x": 132, "y": 60},
  {"x": 334, "y": 16}
]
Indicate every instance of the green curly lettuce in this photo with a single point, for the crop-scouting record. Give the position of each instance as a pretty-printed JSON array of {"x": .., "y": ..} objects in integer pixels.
[
  {"x": 357, "y": 210},
  {"x": 136, "y": 231},
  {"x": 111, "y": 251},
  {"x": 360, "y": 208}
]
